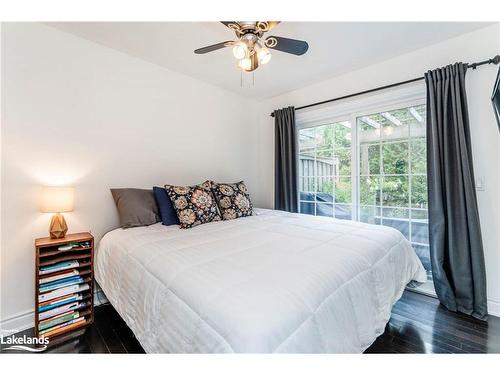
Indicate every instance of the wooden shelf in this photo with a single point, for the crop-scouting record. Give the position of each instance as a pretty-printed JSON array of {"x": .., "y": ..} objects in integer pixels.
[
  {"x": 85, "y": 272},
  {"x": 83, "y": 311},
  {"x": 86, "y": 312},
  {"x": 46, "y": 254},
  {"x": 85, "y": 280},
  {"x": 68, "y": 329},
  {"x": 64, "y": 259},
  {"x": 70, "y": 238},
  {"x": 85, "y": 297},
  {"x": 81, "y": 265}
]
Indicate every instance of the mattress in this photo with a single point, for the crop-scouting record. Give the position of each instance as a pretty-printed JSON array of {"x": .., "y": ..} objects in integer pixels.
[{"x": 274, "y": 282}]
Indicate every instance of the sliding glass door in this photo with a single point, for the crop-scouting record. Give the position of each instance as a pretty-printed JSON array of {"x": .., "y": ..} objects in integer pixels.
[
  {"x": 325, "y": 170},
  {"x": 374, "y": 172}
]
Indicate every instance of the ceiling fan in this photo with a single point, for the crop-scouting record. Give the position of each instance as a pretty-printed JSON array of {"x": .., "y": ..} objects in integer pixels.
[{"x": 251, "y": 49}]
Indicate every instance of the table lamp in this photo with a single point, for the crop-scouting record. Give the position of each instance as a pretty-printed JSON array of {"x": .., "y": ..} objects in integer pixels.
[{"x": 56, "y": 200}]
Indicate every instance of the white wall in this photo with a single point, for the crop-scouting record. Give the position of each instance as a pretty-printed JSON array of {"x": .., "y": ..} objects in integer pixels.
[
  {"x": 476, "y": 46},
  {"x": 76, "y": 113}
]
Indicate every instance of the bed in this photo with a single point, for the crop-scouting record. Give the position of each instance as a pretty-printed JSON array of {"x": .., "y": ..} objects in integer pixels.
[{"x": 274, "y": 282}]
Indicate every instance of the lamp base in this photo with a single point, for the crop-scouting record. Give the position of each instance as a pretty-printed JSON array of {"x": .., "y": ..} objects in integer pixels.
[{"x": 58, "y": 227}]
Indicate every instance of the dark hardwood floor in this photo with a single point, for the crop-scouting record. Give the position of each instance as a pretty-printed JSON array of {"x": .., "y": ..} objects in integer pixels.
[
  {"x": 418, "y": 325},
  {"x": 108, "y": 334}
]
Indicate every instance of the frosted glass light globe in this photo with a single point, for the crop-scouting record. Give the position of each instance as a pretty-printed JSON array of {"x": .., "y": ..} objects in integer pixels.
[
  {"x": 264, "y": 55},
  {"x": 245, "y": 64},
  {"x": 240, "y": 50}
]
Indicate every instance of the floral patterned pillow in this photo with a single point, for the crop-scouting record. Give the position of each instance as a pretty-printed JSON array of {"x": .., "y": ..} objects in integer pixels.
[
  {"x": 194, "y": 205},
  {"x": 233, "y": 199}
]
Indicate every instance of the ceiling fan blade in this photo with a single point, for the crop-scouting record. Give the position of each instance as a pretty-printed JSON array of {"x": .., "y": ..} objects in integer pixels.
[
  {"x": 213, "y": 47},
  {"x": 233, "y": 25},
  {"x": 293, "y": 46},
  {"x": 265, "y": 26}
]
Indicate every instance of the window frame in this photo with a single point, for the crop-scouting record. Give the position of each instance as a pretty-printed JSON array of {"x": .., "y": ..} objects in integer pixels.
[
  {"x": 387, "y": 108},
  {"x": 329, "y": 121},
  {"x": 351, "y": 110}
]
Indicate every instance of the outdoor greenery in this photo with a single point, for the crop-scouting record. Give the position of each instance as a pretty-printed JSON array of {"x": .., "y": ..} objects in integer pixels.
[{"x": 392, "y": 163}]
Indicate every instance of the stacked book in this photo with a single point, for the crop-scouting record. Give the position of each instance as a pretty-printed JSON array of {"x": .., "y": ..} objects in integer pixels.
[{"x": 60, "y": 298}]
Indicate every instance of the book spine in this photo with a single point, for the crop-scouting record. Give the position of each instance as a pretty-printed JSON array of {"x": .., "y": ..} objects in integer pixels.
[
  {"x": 48, "y": 330},
  {"x": 57, "y": 320},
  {"x": 59, "y": 310},
  {"x": 58, "y": 299},
  {"x": 62, "y": 292},
  {"x": 59, "y": 303},
  {"x": 58, "y": 277},
  {"x": 65, "y": 328},
  {"x": 60, "y": 281},
  {"x": 58, "y": 267},
  {"x": 60, "y": 285}
]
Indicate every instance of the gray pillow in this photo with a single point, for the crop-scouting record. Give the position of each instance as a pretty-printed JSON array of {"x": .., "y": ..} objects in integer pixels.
[{"x": 136, "y": 207}]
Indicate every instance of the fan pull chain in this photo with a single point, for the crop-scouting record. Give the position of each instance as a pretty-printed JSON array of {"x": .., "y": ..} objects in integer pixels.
[{"x": 246, "y": 80}]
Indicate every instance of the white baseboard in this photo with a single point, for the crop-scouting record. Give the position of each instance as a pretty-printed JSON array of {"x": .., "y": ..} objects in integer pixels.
[
  {"x": 17, "y": 323},
  {"x": 26, "y": 320},
  {"x": 494, "y": 308}
]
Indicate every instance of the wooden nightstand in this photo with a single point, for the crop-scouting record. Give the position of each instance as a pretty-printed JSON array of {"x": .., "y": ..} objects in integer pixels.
[{"x": 64, "y": 284}]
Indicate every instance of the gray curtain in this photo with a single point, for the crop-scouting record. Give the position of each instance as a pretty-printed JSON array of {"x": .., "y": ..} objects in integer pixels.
[
  {"x": 454, "y": 230},
  {"x": 285, "y": 161}
]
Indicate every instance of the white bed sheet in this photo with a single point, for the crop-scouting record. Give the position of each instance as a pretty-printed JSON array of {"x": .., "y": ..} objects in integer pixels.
[{"x": 273, "y": 282}]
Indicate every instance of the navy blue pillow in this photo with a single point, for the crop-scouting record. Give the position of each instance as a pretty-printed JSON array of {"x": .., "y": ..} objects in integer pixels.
[{"x": 167, "y": 211}]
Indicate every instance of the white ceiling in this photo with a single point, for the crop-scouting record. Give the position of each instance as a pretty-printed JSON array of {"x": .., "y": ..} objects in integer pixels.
[{"x": 334, "y": 48}]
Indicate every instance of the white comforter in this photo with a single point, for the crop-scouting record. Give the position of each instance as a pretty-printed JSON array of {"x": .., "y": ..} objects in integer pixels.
[{"x": 273, "y": 282}]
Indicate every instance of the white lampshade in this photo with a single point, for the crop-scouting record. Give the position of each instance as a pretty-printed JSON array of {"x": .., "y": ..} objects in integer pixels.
[{"x": 57, "y": 199}]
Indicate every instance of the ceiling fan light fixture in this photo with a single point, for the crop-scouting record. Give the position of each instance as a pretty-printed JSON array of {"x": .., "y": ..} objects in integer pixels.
[
  {"x": 240, "y": 50},
  {"x": 250, "y": 63},
  {"x": 245, "y": 64},
  {"x": 264, "y": 55},
  {"x": 250, "y": 48}
]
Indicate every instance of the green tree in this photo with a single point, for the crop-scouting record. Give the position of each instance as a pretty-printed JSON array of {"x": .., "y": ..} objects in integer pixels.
[{"x": 394, "y": 190}]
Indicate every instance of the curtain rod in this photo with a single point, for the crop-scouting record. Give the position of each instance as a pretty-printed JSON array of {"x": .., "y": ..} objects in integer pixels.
[{"x": 495, "y": 60}]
